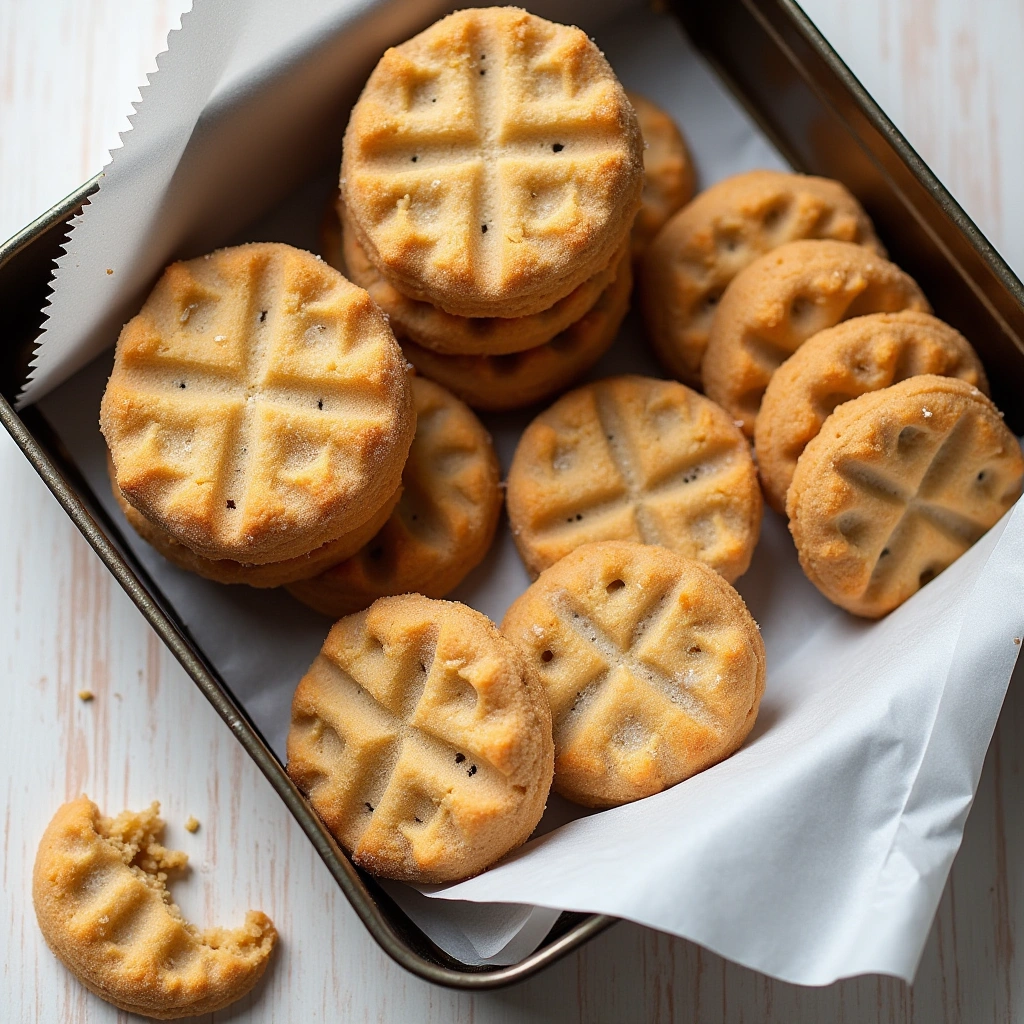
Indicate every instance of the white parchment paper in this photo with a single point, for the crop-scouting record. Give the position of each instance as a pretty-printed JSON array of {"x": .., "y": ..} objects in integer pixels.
[{"x": 820, "y": 849}]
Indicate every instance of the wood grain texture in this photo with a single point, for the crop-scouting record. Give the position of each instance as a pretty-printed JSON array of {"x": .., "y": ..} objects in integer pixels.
[{"x": 952, "y": 77}]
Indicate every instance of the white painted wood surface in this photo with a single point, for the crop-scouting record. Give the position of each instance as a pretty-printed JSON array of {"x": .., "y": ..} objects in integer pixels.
[{"x": 951, "y": 75}]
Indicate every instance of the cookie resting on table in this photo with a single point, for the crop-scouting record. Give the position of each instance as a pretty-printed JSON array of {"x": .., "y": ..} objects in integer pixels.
[{"x": 100, "y": 894}]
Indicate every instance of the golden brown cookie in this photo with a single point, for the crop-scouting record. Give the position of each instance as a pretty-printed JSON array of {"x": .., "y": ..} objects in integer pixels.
[
  {"x": 633, "y": 458},
  {"x": 500, "y": 383},
  {"x": 434, "y": 329},
  {"x": 652, "y": 664},
  {"x": 422, "y": 740},
  {"x": 259, "y": 405},
  {"x": 705, "y": 245},
  {"x": 833, "y": 366},
  {"x": 443, "y": 525},
  {"x": 492, "y": 163},
  {"x": 669, "y": 177},
  {"x": 898, "y": 484},
  {"x": 270, "y": 574},
  {"x": 100, "y": 893},
  {"x": 773, "y": 306}
]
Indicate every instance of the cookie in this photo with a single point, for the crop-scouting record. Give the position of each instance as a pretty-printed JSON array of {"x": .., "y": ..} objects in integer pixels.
[
  {"x": 270, "y": 574},
  {"x": 669, "y": 177},
  {"x": 492, "y": 163},
  {"x": 706, "y": 244},
  {"x": 633, "y": 458},
  {"x": 443, "y": 524},
  {"x": 422, "y": 740},
  {"x": 434, "y": 329},
  {"x": 653, "y": 667},
  {"x": 773, "y": 306},
  {"x": 835, "y": 365},
  {"x": 898, "y": 484},
  {"x": 259, "y": 405},
  {"x": 101, "y": 899},
  {"x": 500, "y": 383}
]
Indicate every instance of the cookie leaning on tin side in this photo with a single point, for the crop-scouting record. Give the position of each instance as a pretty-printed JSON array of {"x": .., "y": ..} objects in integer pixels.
[
  {"x": 100, "y": 895},
  {"x": 783, "y": 298},
  {"x": 422, "y": 740},
  {"x": 492, "y": 163},
  {"x": 896, "y": 486},
  {"x": 499, "y": 383},
  {"x": 441, "y": 528},
  {"x": 724, "y": 229},
  {"x": 259, "y": 405},
  {"x": 441, "y": 332},
  {"x": 836, "y": 365},
  {"x": 634, "y": 458},
  {"x": 652, "y": 664}
]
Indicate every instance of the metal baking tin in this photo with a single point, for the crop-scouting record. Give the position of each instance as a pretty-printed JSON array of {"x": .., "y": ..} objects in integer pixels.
[{"x": 821, "y": 118}]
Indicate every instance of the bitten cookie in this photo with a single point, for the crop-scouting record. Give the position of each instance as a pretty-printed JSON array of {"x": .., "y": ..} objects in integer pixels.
[
  {"x": 499, "y": 383},
  {"x": 444, "y": 522},
  {"x": 492, "y": 163},
  {"x": 773, "y": 306},
  {"x": 633, "y": 458},
  {"x": 705, "y": 245},
  {"x": 669, "y": 177},
  {"x": 259, "y": 405},
  {"x": 835, "y": 365},
  {"x": 897, "y": 485},
  {"x": 100, "y": 893},
  {"x": 270, "y": 574},
  {"x": 422, "y": 739},
  {"x": 434, "y": 329},
  {"x": 652, "y": 664}
]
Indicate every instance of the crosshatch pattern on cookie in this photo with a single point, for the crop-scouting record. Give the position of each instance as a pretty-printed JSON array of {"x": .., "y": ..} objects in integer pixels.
[
  {"x": 633, "y": 458},
  {"x": 258, "y": 392},
  {"x": 487, "y": 153},
  {"x": 650, "y": 666},
  {"x": 421, "y": 750},
  {"x": 907, "y": 479}
]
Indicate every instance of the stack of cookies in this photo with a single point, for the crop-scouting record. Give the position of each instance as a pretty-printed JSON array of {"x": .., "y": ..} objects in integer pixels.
[
  {"x": 258, "y": 416},
  {"x": 492, "y": 171}
]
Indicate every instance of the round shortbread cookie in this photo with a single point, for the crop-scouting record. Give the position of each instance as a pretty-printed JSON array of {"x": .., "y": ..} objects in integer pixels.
[
  {"x": 500, "y": 383},
  {"x": 653, "y": 667},
  {"x": 434, "y": 329},
  {"x": 422, "y": 740},
  {"x": 269, "y": 574},
  {"x": 669, "y": 177},
  {"x": 773, "y": 306},
  {"x": 443, "y": 524},
  {"x": 705, "y": 245},
  {"x": 259, "y": 405},
  {"x": 633, "y": 458},
  {"x": 835, "y": 365},
  {"x": 100, "y": 894},
  {"x": 897, "y": 485},
  {"x": 492, "y": 163}
]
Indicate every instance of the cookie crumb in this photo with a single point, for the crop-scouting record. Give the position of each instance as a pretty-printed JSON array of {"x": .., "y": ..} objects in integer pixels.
[
  {"x": 191, "y": 824},
  {"x": 86, "y": 695}
]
